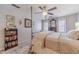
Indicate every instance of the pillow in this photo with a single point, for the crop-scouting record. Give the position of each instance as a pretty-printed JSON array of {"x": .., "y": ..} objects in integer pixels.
[
  {"x": 77, "y": 29},
  {"x": 73, "y": 34}
]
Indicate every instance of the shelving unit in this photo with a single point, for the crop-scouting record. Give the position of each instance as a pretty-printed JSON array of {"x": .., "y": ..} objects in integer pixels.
[{"x": 11, "y": 38}]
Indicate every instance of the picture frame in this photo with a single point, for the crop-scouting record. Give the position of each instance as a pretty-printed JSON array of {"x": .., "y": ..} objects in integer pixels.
[
  {"x": 28, "y": 23},
  {"x": 10, "y": 21}
]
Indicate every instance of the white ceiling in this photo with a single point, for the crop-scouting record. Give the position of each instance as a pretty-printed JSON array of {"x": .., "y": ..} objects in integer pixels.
[{"x": 62, "y": 9}]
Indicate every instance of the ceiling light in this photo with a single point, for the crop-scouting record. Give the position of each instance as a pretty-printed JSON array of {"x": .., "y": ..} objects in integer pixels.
[{"x": 44, "y": 13}]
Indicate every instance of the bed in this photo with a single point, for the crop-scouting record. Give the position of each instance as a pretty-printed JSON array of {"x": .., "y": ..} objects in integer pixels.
[{"x": 53, "y": 42}]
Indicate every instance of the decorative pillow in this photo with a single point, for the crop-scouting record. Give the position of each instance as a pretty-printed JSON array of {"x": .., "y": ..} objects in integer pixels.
[{"x": 73, "y": 34}]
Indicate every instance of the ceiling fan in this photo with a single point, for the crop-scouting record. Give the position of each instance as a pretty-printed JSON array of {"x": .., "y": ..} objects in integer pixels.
[
  {"x": 14, "y": 5},
  {"x": 45, "y": 11}
]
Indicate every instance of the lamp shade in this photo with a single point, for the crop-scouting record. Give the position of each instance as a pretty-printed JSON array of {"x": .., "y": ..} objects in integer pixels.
[{"x": 77, "y": 24}]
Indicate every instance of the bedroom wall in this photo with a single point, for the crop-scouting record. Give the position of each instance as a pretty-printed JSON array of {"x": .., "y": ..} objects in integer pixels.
[
  {"x": 19, "y": 15},
  {"x": 70, "y": 21},
  {"x": 70, "y": 24},
  {"x": 58, "y": 19},
  {"x": 78, "y": 17},
  {"x": 36, "y": 21}
]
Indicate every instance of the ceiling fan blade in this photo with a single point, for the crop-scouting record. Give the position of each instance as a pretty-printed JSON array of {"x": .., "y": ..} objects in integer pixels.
[
  {"x": 52, "y": 8},
  {"x": 15, "y": 5},
  {"x": 44, "y": 7},
  {"x": 50, "y": 13},
  {"x": 40, "y": 7},
  {"x": 38, "y": 12}
]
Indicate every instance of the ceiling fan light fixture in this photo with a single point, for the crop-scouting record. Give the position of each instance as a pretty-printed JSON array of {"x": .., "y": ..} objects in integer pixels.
[{"x": 45, "y": 13}]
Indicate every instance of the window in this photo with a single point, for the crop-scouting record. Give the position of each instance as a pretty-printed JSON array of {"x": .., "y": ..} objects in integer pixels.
[{"x": 62, "y": 25}]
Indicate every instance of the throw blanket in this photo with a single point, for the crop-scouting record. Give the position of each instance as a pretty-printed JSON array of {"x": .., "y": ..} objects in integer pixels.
[{"x": 38, "y": 41}]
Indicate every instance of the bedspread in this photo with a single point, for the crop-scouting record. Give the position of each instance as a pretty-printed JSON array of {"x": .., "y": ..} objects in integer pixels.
[{"x": 53, "y": 41}]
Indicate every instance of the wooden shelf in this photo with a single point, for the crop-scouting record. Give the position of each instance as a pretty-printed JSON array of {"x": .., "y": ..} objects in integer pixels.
[{"x": 11, "y": 38}]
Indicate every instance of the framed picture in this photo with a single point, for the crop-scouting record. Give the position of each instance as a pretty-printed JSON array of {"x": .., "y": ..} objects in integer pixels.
[
  {"x": 28, "y": 23},
  {"x": 10, "y": 21}
]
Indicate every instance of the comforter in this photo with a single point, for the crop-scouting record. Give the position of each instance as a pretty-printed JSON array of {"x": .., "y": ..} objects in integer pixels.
[{"x": 57, "y": 42}]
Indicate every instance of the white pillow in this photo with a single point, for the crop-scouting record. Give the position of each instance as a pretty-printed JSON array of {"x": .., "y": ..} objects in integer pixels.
[
  {"x": 73, "y": 34},
  {"x": 77, "y": 29}
]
